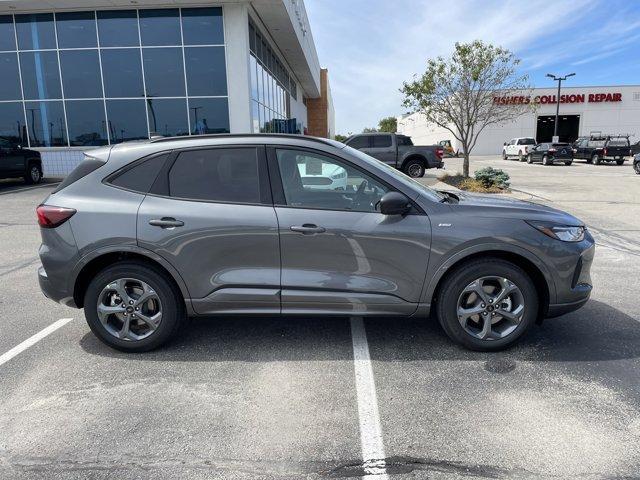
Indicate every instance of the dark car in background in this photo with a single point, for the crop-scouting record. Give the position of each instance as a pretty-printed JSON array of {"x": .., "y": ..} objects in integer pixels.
[
  {"x": 16, "y": 161},
  {"x": 399, "y": 152},
  {"x": 636, "y": 163},
  {"x": 550, "y": 153},
  {"x": 602, "y": 148},
  {"x": 635, "y": 148}
]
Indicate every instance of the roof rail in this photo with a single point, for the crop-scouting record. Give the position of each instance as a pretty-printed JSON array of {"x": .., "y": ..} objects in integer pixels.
[{"x": 241, "y": 135}]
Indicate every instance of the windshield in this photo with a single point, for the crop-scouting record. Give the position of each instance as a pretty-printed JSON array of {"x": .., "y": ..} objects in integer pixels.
[{"x": 428, "y": 192}]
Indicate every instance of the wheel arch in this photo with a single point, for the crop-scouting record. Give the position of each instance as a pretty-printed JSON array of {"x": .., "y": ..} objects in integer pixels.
[
  {"x": 541, "y": 279},
  {"x": 91, "y": 264},
  {"x": 414, "y": 156}
]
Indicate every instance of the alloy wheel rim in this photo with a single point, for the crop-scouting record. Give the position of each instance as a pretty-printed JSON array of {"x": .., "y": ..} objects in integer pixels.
[
  {"x": 129, "y": 309},
  {"x": 35, "y": 174},
  {"x": 490, "y": 308},
  {"x": 414, "y": 171}
]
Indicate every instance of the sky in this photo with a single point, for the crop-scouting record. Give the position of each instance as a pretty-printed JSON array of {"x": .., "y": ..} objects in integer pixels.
[{"x": 371, "y": 46}]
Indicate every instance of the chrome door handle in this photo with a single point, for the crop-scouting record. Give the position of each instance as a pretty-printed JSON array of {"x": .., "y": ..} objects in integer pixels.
[
  {"x": 166, "y": 222},
  {"x": 307, "y": 229}
]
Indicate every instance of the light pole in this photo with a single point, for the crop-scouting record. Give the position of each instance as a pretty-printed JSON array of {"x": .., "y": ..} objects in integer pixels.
[{"x": 559, "y": 80}]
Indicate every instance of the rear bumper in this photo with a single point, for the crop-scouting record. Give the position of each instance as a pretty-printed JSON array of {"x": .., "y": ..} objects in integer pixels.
[{"x": 50, "y": 291}]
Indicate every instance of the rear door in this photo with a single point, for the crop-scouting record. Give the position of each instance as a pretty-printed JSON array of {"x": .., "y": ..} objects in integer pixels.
[
  {"x": 339, "y": 254},
  {"x": 210, "y": 215},
  {"x": 384, "y": 149}
]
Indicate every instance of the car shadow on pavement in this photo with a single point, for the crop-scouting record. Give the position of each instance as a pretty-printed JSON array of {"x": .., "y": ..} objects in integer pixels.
[
  {"x": 597, "y": 332},
  {"x": 10, "y": 184}
]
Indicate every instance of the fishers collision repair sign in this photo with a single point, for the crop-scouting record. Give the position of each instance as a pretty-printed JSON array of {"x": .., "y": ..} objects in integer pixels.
[{"x": 568, "y": 98}]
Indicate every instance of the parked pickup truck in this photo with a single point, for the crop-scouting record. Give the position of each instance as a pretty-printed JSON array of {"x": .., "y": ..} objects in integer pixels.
[
  {"x": 16, "y": 161},
  {"x": 597, "y": 149},
  {"x": 399, "y": 152}
]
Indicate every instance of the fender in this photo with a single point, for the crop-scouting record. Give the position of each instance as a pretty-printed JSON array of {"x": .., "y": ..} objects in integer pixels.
[
  {"x": 444, "y": 267},
  {"x": 130, "y": 249}
]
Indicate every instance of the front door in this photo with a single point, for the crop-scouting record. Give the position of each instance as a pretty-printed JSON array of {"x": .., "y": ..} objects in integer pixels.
[
  {"x": 11, "y": 159},
  {"x": 210, "y": 215},
  {"x": 339, "y": 254}
]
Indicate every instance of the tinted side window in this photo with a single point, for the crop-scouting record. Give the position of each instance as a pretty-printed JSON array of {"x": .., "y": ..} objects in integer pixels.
[
  {"x": 84, "y": 168},
  {"x": 359, "y": 142},
  {"x": 141, "y": 176},
  {"x": 406, "y": 141},
  {"x": 381, "y": 141},
  {"x": 223, "y": 175}
]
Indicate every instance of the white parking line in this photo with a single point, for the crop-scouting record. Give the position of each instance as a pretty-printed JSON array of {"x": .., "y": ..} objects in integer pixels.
[
  {"x": 372, "y": 446},
  {"x": 29, "y": 342}
]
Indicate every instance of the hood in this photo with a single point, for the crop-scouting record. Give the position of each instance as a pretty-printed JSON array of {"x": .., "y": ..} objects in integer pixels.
[{"x": 488, "y": 205}]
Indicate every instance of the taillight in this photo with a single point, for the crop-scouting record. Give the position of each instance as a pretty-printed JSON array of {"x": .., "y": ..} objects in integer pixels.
[
  {"x": 604, "y": 152},
  {"x": 552, "y": 150},
  {"x": 574, "y": 150},
  {"x": 51, "y": 217},
  {"x": 439, "y": 153}
]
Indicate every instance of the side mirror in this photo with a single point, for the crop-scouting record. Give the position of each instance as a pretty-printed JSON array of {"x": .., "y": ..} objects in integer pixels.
[{"x": 394, "y": 203}]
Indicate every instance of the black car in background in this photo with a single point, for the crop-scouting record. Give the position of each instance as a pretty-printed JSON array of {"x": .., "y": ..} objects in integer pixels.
[
  {"x": 635, "y": 148},
  {"x": 550, "y": 153},
  {"x": 602, "y": 148},
  {"x": 636, "y": 163},
  {"x": 16, "y": 161}
]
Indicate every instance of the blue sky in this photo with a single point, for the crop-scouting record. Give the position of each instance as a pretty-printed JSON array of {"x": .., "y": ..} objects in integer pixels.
[{"x": 371, "y": 46}]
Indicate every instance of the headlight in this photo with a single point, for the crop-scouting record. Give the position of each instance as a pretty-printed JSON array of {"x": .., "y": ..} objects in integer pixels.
[{"x": 559, "y": 232}]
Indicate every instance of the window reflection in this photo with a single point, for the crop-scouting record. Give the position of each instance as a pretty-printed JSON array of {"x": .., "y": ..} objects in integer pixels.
[
  {"x": 12, "y": 125},
  {"x": 76, "y": 29},
  {"x": 35, "y": 31},
  {"x": 118, "y": 28},
  {"x": 45, "y": 124},
  {"x": 40, "y": 75},
  {"x": 206, "y": 74},
  {"x": 9, "y": 79},
  {"x": 7, "y": 35},
  {"x": 122, "y": 72},
  {"x": 209, "y": 115},
  {"x": 86, "y": 123},
  {"x": 164, "y": 72},
  {"x": 80, "y": 74},
  {"x": 160, "y": 27},
  {"x": 127, "y": 120},
  {"x": 168, "y": 117},
  {"x": 202, "y": 26}
]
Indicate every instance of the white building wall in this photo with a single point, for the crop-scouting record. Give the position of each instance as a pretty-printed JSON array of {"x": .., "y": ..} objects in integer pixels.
[{"x": 606, "y": 117}]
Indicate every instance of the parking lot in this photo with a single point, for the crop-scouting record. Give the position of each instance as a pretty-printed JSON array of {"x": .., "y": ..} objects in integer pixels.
[{"x": 309, "y": 398}]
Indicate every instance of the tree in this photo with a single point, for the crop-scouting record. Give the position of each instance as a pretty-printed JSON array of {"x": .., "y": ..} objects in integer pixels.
[
  {"x": 340, "y": 138},
  {"x": 388, "y": 124},
  {"x": 369, "y": 130},
  {"x": 457, "y": 93}
]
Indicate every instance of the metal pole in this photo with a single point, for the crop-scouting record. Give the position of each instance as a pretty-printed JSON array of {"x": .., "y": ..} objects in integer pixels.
[{"x": 555, "y": 127}]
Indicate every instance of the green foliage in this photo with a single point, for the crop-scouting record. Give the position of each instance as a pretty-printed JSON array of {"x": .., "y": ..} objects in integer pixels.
[
  {"x": 457, "y": 93},
  {"x": 492, "y": 177},
  {"x": 340, "y": 138},
  {"x": 388, "y": 124},
  {"x": 369, "y": 130}
]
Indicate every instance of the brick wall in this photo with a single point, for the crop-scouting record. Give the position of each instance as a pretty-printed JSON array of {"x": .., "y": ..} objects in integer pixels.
[{"x": 318, "y": 109}]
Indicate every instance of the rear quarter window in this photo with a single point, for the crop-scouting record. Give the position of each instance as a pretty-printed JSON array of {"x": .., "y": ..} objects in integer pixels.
[
  {"x": 359, "y": 142},
  {"x": 139, "y": 175}
]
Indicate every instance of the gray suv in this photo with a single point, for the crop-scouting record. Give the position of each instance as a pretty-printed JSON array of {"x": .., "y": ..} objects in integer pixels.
[{"x": 143, "y": 234}]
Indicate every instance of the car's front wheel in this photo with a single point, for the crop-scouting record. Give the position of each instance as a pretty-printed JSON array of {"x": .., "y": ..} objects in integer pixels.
[
  {"x": 414, "y": 168},
  {"x": 34, "y": 173},
  {"x": 636, "y": 167},
  {"x": 529, "y": 158},
  {"x": 595, "y": 159},
  {"x": 487, "y": 304},
  {"x": 546, "y": 160},
  {"x": 132, "y": 307}
]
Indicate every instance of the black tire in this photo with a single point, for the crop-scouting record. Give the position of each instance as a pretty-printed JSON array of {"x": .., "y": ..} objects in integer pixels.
[
  {"x": 620, "y": 161},
  {"x": 520, "y": 157},
  {"x": 595, "y": 159},
  {"x": 453, "y": 286},
  {"x": 568, "y": 162},
  {"x": 529, "y": 159},
  {"x": 173, "y": 309},
  {"x": 504, "y": 155},
  {"x": 546, "y": 161},
  {"x": 636, "y": 167},
  {"x": 33, "y": 174},
  {"x": 414, "y": 168}
]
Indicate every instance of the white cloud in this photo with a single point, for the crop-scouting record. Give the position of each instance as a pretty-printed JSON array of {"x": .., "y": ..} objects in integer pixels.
[{"x": 371, "y": 47}]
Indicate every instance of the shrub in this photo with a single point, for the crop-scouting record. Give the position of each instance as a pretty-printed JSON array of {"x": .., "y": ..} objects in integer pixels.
[{"x": 492, "y": 177}]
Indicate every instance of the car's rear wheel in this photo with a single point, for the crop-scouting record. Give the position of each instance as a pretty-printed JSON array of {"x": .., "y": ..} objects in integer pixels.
[
  {"x": 529, "y": 158},
  {"x": 487, "y": 304},
  {"x": 636, "y": 167},
  {"x": 504, "y": 155},
  {"x": 132, "y": 307},
  {"x": 33, "y": 174},
  {"x": 546, "y": 161},
  {"x": 520, "y": 157},
  {"x": 414, "y": 168},
  {"x": 595, "y": 159},
  {"x": 568, "y": 162},
  {"x": 620, "y": 161}
]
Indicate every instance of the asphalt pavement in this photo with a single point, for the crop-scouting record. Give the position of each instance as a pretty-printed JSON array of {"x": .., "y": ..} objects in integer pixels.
[{"x": 311, "y": 398}]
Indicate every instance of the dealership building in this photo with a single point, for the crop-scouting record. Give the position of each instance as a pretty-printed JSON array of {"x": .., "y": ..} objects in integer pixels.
[
  {"x": 583, "y": 111},
  {"x": 79, "y": 74}
]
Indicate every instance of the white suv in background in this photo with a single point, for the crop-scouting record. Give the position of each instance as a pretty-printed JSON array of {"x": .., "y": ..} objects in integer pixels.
[{"x": 518, "y": 147}]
